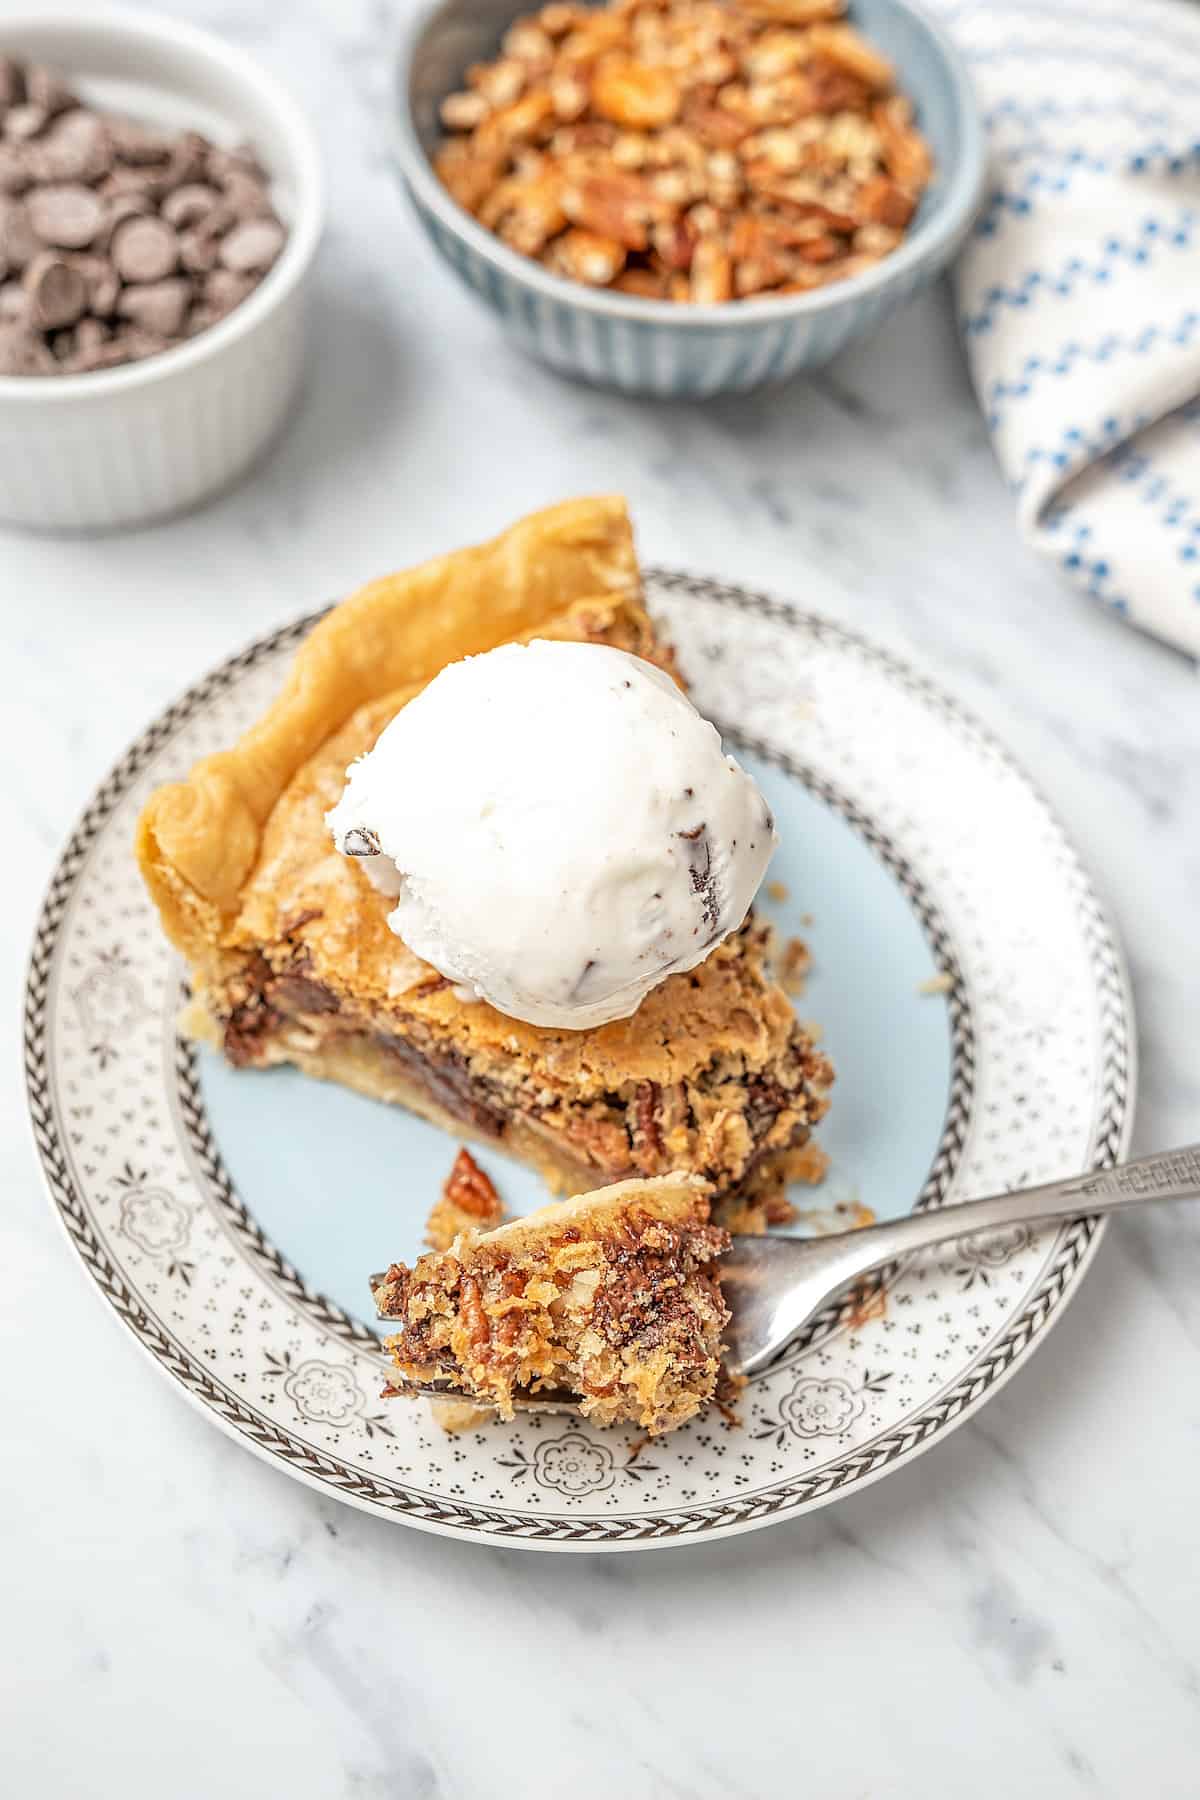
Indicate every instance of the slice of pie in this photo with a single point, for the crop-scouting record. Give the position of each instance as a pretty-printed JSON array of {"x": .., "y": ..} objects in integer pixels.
[
  {"x": 292, "y": 959},
  {"x": 612, "y": 1298}
]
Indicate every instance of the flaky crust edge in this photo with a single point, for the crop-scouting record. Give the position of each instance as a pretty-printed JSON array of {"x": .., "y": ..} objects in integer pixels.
[{"x": 197, "y": 841}]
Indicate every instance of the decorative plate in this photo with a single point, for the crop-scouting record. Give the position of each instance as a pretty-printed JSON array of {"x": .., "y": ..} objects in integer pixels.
[{"x": 972, "y": 996}]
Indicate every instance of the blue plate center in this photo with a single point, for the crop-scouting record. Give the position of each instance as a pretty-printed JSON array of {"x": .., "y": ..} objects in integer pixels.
[{"x": 342, "y": 1185}]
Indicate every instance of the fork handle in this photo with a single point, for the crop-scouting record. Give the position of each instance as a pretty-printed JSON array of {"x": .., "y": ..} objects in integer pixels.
[{"x": 1168, "y": 1175}]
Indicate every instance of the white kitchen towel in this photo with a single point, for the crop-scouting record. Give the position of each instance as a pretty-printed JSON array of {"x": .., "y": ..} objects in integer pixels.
[{"x": 1079, "y": 289}]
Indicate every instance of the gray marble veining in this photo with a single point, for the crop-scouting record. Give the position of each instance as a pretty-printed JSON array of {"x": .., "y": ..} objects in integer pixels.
[{"x": 1016, "y": 1612}]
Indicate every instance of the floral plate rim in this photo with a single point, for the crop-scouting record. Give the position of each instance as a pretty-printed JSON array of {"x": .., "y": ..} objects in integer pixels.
[{"x": 716, "y": 1518}]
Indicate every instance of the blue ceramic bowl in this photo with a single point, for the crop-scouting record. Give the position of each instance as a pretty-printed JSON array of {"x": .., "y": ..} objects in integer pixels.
[{"x": 657, "y": 347}]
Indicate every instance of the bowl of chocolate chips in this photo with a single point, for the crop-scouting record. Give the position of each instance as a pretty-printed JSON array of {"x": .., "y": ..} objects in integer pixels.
[{"x": 160, "y": 204}]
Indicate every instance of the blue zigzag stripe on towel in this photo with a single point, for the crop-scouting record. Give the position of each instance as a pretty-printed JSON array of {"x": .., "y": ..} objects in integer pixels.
[
  {"x": 1121, "y": 22},
  {"x": 1133, "y": 467},
  {"x": 1077, "y": 447},
  {"x": 1044, "y": 111},
  {"x": 1028, "y": 51},
  {"x": 1131, "y": 162},
  {"x": 1091, "y": 572},
  {"x": 1063, "y": 361},
  {"x": 1018, "y": 199},
  {"x": 1036, "y": 284}
]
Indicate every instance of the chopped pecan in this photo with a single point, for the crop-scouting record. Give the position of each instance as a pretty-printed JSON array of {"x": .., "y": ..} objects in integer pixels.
[
  {"x": 633, "y": 95},
  {"x": 712, "y": 274},
  {"x": 586, "y": 256},
  {"x": 794, "y": 12},
  {"x": 470, "y": 1189},
  {"x": 844, "y": 47},
  {"x": 884, "y": 202},
  {"x": 525, "y": 213},
  {"x": 687, "y": 150},
  {"x": 463, "y": 112},
  {"x": 616, "y": 206},
  {"x": 648, "y": 1133}
]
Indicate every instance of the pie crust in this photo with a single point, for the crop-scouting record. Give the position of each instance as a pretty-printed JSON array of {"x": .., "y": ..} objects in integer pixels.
[{"x": 292, "y": 959}]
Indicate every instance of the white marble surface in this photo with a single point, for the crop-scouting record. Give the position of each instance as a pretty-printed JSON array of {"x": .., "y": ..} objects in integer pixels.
[{"x": 1018, "y": 1610}]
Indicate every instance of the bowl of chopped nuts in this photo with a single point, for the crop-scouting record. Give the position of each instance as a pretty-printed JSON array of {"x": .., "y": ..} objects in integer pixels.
[
  {"x": 688, "y": 197},
  {"x": 160, "y": 203}
]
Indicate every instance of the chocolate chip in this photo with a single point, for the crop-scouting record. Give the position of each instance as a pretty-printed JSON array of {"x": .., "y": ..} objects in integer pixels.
[
  {"x": 76, "y": 148},
  {"x": 144, "y": 249},
  {"x": 189, "y": 204},
  {"x": 14, "y": 170},
  {"x": 47, "y": 89},
  {"x": 108, "y": 353},
  {"x": 248, "y": 198},
  {"x": 137, "y": 144},
  {"x": 252, "y": 247},
  {"x": 116, "y": 208},
  {"x": 160, "y": 306},
  {"x": 69, "y": 216},
  {"x": 198, "y": 251},
  {"x": 18, "y": 240},
  {"x": 12, "y": 83},
  {"x": 142, "y": 183},
  {"x": 24, "y": 122},
  {"x": 103, "y": 283},
  {"x": 80, "y": 224},
  {"x": 58, "y": 294},
  {"x": 360, "y": 840},
  {"x": 226, "y": 288},
  {"x": 202, "y": 317},
  {"x": 189, "y": 160},
  {"x": 140, "y": 342},
  {"x": 240, "y": 160},
  {"x": 89, "y": 333},
  {"x": 22, "y": 352}
]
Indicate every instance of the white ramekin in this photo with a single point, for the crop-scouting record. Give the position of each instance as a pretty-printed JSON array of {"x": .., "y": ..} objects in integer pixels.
[{"x": 87, "y": 452}]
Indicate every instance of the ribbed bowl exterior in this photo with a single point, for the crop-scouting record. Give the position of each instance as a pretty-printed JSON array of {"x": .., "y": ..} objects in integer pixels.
[
  {"x": 93, "y": 462},
  {"x": 684, "y": 352},
  {"x": 667, "y": 360}
]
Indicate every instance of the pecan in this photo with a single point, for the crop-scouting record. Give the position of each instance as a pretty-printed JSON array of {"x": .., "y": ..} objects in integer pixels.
[
  {"x": 686, "y": 150},
  {"x": 843, "y": 46},
  {"x": 525, "y": 213},
  {"x": 712, "y": 274},
  {"x": 468, "y": 176},
  {"x": 586, "y": 256},
  {"x": 471, "y": 1190},
  {"x": 674, "y": 243},
  {"x": 463, "y": 112},
  {"x": 473, "y": 1316},
  {"x": 821, "y": 249},
  {"x": 794, "y": 12},
  {"x": 614, "y": 206},
  {"x": 883, "y": 202},
  {"x": 648, "y": 1132},
  {"x": 645, "y": 283},
  {"x": 717, "y": 126},
  {"x": 525, "y": 121},
  {"x": 905, "y": 152},
  {"x": 635, "y": 96}
]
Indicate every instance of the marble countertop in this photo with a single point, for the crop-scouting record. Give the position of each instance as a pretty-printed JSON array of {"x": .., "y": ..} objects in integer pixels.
[{"x": 1017, "y": 1610}]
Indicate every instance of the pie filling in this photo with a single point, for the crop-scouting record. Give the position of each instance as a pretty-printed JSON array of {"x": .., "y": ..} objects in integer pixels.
[
  {"x": 720, "y": 1122},
  {"x": 613, "y": 1298}
]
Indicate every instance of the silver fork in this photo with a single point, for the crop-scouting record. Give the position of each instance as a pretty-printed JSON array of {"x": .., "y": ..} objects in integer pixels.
[{"x": 774, "y": 1285}]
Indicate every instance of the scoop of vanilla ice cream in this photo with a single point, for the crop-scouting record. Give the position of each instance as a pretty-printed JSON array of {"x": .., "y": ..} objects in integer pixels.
[{"x": 560, "y": 829}]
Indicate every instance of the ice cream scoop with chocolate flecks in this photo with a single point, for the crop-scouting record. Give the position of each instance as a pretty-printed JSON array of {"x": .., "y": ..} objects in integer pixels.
[{"x": 584, "y": 837}]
